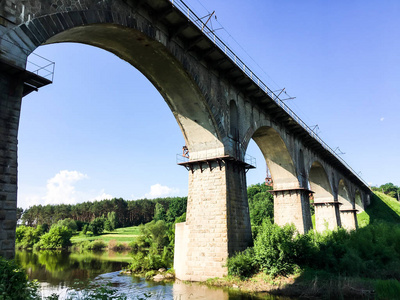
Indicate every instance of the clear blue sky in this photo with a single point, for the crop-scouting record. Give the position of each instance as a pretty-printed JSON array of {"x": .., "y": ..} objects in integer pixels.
[{"x": 101, "y": 130}]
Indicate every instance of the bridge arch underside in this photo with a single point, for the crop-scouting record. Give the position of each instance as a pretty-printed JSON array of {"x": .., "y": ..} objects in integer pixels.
[
  {"x": 326, "y": 206},
  {"x": 348, "y": 216},
  {"x": 291, "y": 201},
  {"x": 359, "y": 203},
  {"x": 153, "y": 60}
]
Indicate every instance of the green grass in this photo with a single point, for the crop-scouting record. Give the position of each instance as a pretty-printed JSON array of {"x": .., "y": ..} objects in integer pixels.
[
  {"x": 123, "y": 235},
  {"x": 387, "y": 289},
  {"x": 382, "y": 208},
  {"x": 101, "y": 255}
]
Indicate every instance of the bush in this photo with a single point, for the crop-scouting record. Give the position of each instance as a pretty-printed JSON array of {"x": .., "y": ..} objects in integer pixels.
[
  {"x": 274, "y": 249},
  {"x": 372, "y": 251},
  {"x": 242, "y": 264},
  {"x": 14, "y": 283},
  {"x": 97, "y": 245},
  {"x": 85, "y": 228},
  {"x": 57, "y": 237},
  {"x": 80, "y": 224},
  {"x": 26, "y": 236},
  {"x": 69, "y": 223},
  {"x": 117, "y": 246},
  {"x": 152, "y": 249},
  {"x": 97, "y": 226},
  {"x": 152, "y": 260}
]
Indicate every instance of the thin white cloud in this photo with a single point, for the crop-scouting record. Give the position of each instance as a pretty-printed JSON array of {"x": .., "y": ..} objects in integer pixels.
[
  {"x": 102, "y": 196},
  {"x": 381, "y": 119},
  {"x": 158, "y": 191},
  {"x": 61, "y": 189}
]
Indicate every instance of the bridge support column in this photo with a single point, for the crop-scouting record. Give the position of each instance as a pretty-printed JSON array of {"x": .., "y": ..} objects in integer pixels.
[
  {"x": 293, "y": 206},
  {"x": 348, "y": 218},
  {"x": 217, "y": 220},
  {"x": 11, "y": 88},
  {"x": 327, "y": 215}
]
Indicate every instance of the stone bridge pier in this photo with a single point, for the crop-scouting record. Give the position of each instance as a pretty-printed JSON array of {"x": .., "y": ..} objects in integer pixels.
[
  {"x": 217, "y": 219},
  {"x": 11, "y": 89}
]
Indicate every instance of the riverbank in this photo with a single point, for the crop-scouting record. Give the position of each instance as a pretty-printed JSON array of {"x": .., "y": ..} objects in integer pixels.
[{"x": 307, "y": 284}]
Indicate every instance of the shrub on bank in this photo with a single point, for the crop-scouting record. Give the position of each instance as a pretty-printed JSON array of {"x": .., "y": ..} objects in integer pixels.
[
  {"x": 117, "y": 246},
  {"x": 151, "y": 260},
  {"x": 371, "y": 252},
  {"x": 14, "y": 283},
  {"x": 26, "y": 236},
  {"x": 153, "y": 249},
  {"x": 57, "y": 237},
  {"x": 97, "y": 245},
  {"x": 242, "y": 264},
  {"x": 278, "y": 250}
]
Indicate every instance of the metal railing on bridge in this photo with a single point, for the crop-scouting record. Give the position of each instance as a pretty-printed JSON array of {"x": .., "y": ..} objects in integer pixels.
[
  {"x": 186, "y": 10},
  {"x": 41, "y": 66},
  {"x": 35, "y": 63}
]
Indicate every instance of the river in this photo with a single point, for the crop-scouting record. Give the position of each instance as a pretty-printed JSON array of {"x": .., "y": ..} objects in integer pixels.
[{"x": 65, "y": 273}]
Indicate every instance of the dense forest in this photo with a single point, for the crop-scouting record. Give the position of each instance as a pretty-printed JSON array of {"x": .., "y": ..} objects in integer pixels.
[
  {"x": 136, "y": 212},
  {"x": 129, "y": 213}
]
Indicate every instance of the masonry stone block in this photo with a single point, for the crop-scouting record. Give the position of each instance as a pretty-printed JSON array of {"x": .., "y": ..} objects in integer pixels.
[
  {"x": 8, "y": 224},
  {"x": 326, "y": 216},
  {"x": 292, "y": 207},
  {"x": 7, "y": 245},
  {"x": 349, "y": 219}
]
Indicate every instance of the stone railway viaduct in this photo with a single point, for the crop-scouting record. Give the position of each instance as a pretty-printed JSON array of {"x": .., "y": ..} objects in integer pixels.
[{"x": 219, "y": 105}]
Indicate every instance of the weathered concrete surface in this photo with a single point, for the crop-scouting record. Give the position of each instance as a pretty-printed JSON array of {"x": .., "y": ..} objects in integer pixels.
[{"x": 217, "y": 106}]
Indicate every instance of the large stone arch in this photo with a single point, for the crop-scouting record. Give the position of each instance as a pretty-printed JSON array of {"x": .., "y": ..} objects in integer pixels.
[
  {"x": 277, "y": 157},
  {"x": 138, "y": 43},
  {"x": 326, "y": 206},
  {"x": 347, "y": 208},
  {"x": 291, "y": 201},
  {"x": 218, "y": 221}
]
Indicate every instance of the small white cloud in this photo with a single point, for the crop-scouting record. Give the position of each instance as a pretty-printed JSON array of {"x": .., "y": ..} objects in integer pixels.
[
  {"x": 381, "y": 119},
  {"x": 61, "y": 189},
  {"x": 102, "y": 196},
  {"x": 158, "y": 190}
]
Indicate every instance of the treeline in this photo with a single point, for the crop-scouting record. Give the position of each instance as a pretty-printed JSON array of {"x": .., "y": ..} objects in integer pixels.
[
  {"x": 389, "y": 189},
  {"x": 129, "y": 213}
]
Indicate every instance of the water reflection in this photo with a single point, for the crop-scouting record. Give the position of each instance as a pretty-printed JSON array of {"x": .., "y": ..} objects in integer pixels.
[
  {"x": 64, "y": 273},
  {"x": 64, "y": 268}
]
